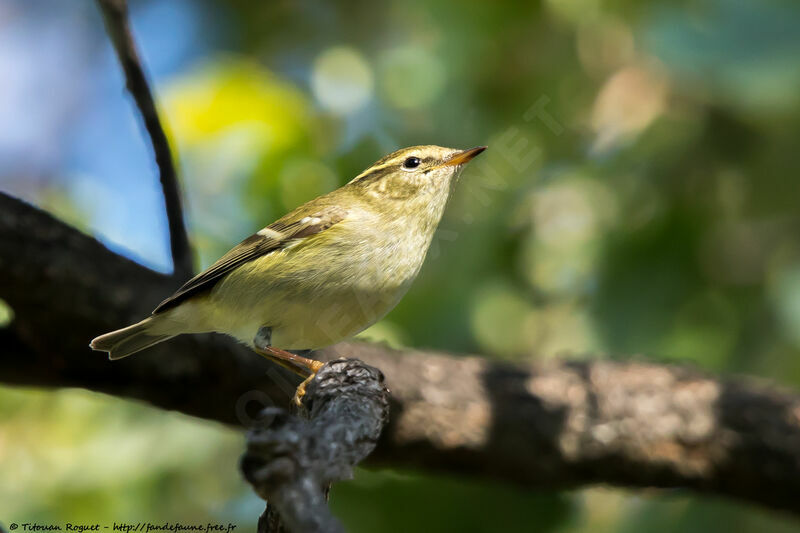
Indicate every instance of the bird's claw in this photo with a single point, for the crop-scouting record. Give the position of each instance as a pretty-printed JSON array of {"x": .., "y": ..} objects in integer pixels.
[{"x": 297, "y": 399}]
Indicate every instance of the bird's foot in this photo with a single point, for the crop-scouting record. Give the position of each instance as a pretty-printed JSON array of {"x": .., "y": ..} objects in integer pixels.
[
  {"x": 301, "y": 389},
  {"x": 303, "y": 366}
]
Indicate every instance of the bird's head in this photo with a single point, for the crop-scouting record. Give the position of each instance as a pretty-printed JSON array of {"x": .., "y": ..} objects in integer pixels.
[{"x": 414, "y": 175}]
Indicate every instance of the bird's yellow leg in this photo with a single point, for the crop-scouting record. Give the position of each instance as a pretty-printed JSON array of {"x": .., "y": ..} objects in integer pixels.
[
  {"x": 302, "y": 366},
  {"x": 301, "y": 389}
]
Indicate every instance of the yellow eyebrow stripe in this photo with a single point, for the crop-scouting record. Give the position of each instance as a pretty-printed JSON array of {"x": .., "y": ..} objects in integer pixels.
[{"x": 372, "y": 170}]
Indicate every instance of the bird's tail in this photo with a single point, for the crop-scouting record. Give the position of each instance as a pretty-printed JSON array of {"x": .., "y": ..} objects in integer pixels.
[{"x": 126, "y": 341}]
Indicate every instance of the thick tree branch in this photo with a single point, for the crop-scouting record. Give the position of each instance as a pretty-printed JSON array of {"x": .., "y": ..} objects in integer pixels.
[
  {"x": 552, "y": 425},
  {"x": 115, "y": 16},
  {"x": 290, "y": 462}
]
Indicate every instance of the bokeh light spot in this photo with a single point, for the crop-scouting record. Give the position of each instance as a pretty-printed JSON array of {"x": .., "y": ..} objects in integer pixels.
[
  {"x": 6, "y": 314},
  {"x": 498, "y": 319},
  {"x": 342, "y": 80},
  {"x": 411, "y": 77},
  {"x": 304, "y": 179}
]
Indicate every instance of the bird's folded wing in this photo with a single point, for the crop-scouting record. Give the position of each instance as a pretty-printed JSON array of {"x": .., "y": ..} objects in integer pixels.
[{"x": 273, "y": 237}]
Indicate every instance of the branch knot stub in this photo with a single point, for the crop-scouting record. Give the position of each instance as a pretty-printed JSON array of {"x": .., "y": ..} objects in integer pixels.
[
  {"x": 347, "y": 380},
  {"x": 290, "y": 460}
]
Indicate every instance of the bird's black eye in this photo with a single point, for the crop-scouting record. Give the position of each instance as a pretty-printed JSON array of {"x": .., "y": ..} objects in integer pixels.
[{"x": 411, "y": 162}]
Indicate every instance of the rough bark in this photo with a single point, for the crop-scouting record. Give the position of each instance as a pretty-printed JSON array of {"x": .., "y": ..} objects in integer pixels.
[
  {"x": 548, "y": 425},
  {"x": 291, "y": 462}
]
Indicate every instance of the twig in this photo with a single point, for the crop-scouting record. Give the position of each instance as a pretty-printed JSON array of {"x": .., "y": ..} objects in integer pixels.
[
  {"x": 290, "y": 461},
  {"x": 115, "y": 16}
]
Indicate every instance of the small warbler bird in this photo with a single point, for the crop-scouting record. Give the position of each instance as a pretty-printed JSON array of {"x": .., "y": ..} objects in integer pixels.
[{"x": 324, "y": 272}]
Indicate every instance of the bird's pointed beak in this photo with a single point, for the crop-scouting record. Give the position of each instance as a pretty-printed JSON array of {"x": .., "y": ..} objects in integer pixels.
[{"x": 464, "y": 156}]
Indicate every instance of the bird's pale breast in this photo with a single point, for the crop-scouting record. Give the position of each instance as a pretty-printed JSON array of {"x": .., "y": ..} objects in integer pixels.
[{"x": 320, "y": 290}]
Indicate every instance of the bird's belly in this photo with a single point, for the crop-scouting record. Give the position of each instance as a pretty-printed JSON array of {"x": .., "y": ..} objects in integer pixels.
[
  {"x": 301, "y": 316},
  {"x": 329, "y": 319},
  {"x": 299, "y": 323},
  {"x": 309, "y": 303}
]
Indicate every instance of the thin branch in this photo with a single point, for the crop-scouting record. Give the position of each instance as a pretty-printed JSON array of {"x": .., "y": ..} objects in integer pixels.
[
  {"x": 115, "y": 16},
  {"x": 290, "y": 461},
  {"x": 546, "y": 425}
]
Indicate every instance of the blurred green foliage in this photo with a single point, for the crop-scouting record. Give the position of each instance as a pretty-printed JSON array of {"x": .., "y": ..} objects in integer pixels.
[{"x": 640, "y": 196}]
